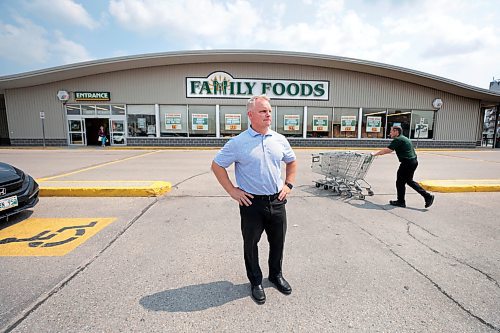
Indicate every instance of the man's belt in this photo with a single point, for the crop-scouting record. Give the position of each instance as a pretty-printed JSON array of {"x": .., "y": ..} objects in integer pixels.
[{"x": 270, "y": 197}]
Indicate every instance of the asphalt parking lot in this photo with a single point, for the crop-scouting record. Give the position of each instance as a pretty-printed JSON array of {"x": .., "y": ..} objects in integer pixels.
[{"x": 174, "y": 263}]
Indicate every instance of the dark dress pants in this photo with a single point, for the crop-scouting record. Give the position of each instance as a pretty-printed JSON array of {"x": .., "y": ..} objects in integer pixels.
[
  {"x": 405, "y": 176},
  {"x": 267, "y": 214}
]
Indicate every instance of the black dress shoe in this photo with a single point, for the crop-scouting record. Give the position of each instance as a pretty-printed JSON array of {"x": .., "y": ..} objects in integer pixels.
[
  {"x": 281, "y": 284},
  {"x": 429, "y": 201},
  {"x": 258, "y": 294},
  {"x": 397, "y": 203}
]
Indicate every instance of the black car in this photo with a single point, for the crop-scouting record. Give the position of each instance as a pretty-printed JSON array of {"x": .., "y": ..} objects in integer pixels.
[{"x": 18, "y": 190}]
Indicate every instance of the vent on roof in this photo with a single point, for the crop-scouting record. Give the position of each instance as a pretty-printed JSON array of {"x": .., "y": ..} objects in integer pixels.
[{"x": 495, "y": 85}]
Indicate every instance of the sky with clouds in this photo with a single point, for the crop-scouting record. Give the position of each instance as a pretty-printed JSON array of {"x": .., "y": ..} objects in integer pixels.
[{"x": 454, "y": 39}]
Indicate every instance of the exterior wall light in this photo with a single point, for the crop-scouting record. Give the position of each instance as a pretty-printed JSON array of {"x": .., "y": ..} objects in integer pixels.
[{"x": 437, "y": 103}]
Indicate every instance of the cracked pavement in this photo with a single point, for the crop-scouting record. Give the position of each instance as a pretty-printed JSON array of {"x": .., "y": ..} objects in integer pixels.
[{"x": 174, "y": 263}]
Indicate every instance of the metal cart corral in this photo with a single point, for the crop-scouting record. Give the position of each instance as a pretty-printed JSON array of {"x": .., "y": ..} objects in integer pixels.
[{"x": 344, "y": 172}]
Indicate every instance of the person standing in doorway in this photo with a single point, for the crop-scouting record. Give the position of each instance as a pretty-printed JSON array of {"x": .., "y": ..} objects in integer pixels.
[
  {"x": 102, "y": 136},
  {"x": 408, "y": 164},
  {"x": 257, "y": 154}
]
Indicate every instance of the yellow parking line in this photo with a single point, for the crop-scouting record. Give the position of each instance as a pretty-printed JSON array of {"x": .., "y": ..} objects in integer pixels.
[
  {"x": 96, "y": 166},
  {"x": 463, "y": 158}
]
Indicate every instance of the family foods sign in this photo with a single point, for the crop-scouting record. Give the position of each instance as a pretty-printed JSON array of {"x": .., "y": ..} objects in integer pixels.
[{"x": 223, "y": 85}]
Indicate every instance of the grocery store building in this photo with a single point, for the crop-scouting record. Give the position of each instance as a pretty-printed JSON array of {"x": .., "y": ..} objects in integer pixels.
[{"x": 197, "y": 98}]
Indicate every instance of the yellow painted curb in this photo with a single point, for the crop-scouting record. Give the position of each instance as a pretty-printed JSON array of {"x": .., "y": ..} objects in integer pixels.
[
  {"x": 101, "y": 189},
  {"x": 462, "y": 185}
]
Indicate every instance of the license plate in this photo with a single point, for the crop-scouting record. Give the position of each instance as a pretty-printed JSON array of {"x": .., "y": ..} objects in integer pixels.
[{"x": 8, "y": 203}]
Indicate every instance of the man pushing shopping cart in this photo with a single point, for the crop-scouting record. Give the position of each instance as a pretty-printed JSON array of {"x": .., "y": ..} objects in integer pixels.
[{"x": 408, "y": 164}]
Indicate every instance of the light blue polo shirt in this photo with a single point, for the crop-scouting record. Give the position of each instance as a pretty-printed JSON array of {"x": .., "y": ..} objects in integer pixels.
[{"x": 257, "y": 160}]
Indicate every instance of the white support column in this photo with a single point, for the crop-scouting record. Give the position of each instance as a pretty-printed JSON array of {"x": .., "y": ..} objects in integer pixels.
[
  {"x": 187, "y": 119},
  {"x": 217, "y": 122},
  {"x": 157, "y": 116},
  {"x": 304, "y": 123},
  {"x": 360, "y": 122}
]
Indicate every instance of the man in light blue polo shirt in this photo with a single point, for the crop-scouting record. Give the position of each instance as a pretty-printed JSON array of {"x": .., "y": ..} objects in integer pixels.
[{"x": 257, "y": 154}]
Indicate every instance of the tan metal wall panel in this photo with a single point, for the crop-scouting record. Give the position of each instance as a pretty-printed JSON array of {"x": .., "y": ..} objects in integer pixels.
[
  {"x": 23, "y": 113},
  {"x": 4, "y": 130},
  {"x": 457, "y": 120}
]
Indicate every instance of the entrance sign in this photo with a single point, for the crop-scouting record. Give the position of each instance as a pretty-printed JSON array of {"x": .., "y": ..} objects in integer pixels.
[
  {"x": 199, "y": 122},
  {"x": 348, "y": 123},
  {"x": 223, "y": 85},
  {"x": 320, "y": 123},
  {"x": 92, "y": 96},
  {"x": 233, "y": 122},
  {"x": 373, "y": 124},
  {"x": 173, "y": 121},
  {"x": 291, "y": 122}
]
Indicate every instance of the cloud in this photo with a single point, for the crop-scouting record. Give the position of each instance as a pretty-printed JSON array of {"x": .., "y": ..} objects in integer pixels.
[
  {"x": 23, "y": 43},
  {"x": 456, "y": 39},
  {"x": 191, "y": 19},
  {"x": 62, "y": 10},
  {"x": 69, "y": 51},
  {"x": 28, "y": 44},
  {"x": 446, "y": 39}
]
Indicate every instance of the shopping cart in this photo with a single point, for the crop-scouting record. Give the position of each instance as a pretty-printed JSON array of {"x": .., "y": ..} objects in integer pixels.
[{"x": 344, "y": 172}]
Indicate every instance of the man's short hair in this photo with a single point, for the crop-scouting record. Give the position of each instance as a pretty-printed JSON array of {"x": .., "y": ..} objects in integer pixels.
[
  {"x": 397, "y": 128},
  {"x": 253, "y": 99}
]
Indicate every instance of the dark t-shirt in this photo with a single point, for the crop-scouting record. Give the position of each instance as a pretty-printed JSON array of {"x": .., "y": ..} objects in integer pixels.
[{"x": 403, "y": 148}]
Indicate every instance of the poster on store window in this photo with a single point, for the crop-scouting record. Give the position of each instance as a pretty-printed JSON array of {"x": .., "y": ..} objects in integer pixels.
[
  {"x": 199, "y": 122},
  {"x": 141, "y": 123},
  {"x": 173, "y": 121},
  {"x": 232, "y": 121},
  {"x": 421, "y": 131},
  {"x": 320, "y": 123},
  {"x": 348, "y": 123},
  {"x": 373, "y": 124},
  {"x": 291, "y": 122}
]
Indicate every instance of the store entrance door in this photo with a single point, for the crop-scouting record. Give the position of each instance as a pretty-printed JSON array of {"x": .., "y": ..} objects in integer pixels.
[{"x": 92, "y": 126}]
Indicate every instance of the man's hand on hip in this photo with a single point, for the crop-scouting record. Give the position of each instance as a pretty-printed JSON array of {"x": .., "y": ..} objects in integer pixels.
[
  {"x": 241, "y": 196},
  {"x": 284, "y": 192}
]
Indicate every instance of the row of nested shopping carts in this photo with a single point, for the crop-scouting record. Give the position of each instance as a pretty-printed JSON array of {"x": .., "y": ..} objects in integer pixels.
[{"x": 344, "y": 172}]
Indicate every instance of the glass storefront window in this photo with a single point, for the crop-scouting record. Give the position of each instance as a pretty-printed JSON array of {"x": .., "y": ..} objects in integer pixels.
[
  {"x": 173, "y": 120},
  {"x": 103, "y": 110},
  {"x": 398, "y": 117},
  {"x": 88, "y": 110},
  {"x": 76, "y": 138},
  {"x": 233, "y": 119},
  {"x": 319, "y": 122},
  {"x": 73, "y": 109},
  {"x": 345, "y": 122},
  {"x": 118, "y": 110},
  {"x": 373, "y": 123},
  {"x": 141, "y": 120},
  {"x": 201, "y": 120},
  {"x": 289, "y": 120},
  {"x": 422, "y": 124}
]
